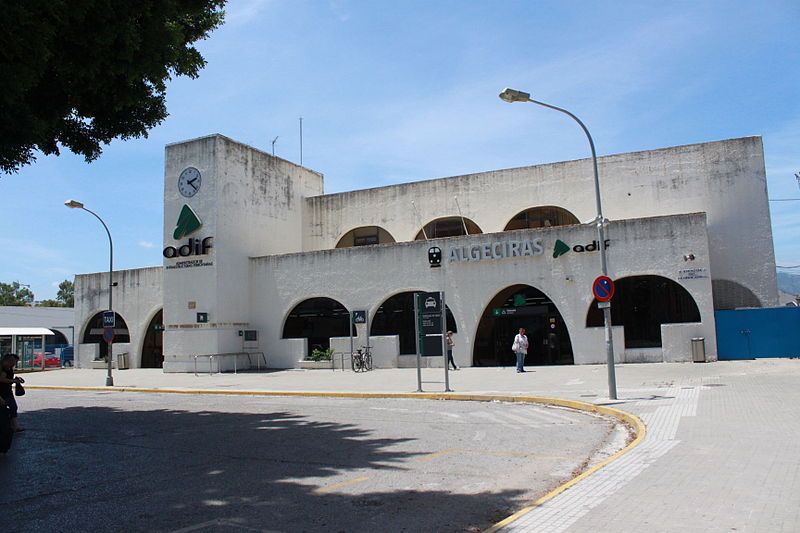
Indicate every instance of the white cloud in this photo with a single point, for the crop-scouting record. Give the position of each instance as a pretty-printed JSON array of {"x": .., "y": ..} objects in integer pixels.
[{"x": 146, "y": 244}]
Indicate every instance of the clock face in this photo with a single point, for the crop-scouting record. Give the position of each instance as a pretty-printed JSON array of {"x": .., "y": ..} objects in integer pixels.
[{"x": 189, "y": 182}]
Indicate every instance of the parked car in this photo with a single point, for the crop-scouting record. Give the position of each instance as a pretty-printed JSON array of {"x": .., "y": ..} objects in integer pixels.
[
  {"x": 50, "y": 360},
  {"x": 68, "y": 356}
]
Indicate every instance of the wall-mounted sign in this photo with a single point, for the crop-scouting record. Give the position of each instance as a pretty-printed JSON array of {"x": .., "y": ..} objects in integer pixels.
[
  {"x": 188, "y": 223},
  {"x": 202, "y": 318},
  {"x": 496, "y": 250},
  {"x": 693, "y": 273},
  {"x": 560, "y": 247},
  {"x": 192, "y": 247}
]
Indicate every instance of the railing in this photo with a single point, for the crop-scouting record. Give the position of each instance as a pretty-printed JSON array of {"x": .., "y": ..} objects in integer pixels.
[{"x": 235, "y": 355}]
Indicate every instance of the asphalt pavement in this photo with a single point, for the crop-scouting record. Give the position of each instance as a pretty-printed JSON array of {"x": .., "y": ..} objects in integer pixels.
[
  {"x": 107, "y": 461},
  {"x": 720, "y": 452}
]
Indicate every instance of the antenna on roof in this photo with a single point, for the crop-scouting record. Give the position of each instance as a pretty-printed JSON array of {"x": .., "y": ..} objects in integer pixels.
[
  {"x": 416, "y": 213},
  {"x": 273, "y": 145},
  {"x": 466, "y": 231}
]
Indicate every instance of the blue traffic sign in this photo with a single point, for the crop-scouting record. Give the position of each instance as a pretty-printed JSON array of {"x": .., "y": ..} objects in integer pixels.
[
  {"x": 603, "y": 288},
  {"x": 108, "y": 335},
  {"x": 109, "y": 319}
]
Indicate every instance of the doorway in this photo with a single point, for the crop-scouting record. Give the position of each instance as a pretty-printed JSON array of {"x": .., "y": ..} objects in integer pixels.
[
  {"x": 522, "y": 306},
  {"x": 153, "y": 346}
]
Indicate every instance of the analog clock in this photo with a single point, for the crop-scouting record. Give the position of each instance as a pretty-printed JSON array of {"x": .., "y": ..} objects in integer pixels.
[{"x": 189, "y": 182}]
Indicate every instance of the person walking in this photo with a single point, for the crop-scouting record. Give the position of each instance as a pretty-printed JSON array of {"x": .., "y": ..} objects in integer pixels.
[
  {"x": 7, "y": 379},
  {"x": 450, "y": 344},
  {"x": 520, "y": 348}
]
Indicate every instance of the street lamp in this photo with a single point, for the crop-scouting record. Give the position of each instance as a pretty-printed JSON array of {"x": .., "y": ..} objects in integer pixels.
[
  {"x": 512, "y": 95},
  {"x": 74, "y": 204}
]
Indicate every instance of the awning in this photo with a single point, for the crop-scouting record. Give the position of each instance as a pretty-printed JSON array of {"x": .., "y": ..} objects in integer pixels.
[{"x": 33, "y": 332}]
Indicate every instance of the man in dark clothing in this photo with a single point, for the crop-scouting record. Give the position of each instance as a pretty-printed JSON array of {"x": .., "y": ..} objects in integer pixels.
[{"x": 7, "y": 379}]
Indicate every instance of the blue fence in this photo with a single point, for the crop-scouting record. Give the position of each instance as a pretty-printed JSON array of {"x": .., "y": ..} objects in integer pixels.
[{"x": 756, "y": 333}]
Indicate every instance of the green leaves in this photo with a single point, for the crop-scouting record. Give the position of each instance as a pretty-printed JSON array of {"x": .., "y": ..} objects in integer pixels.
[{"x": 80, "y": 73}]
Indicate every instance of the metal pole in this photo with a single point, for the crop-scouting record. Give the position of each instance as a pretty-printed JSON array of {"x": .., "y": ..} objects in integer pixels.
[
  {"x": 443, "y": 324},
  {"x": 352, "y": 348},
  {"x": 301, "y": 141},
  {"x": 612, "y": 379},
  {"x": 109, "y": 377},
  {"x": 463, "y": 223},
  {"x": 416, "y": 344}
]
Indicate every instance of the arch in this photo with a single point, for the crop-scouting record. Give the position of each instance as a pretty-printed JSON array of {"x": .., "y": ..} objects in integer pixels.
[
  {"x": 93, "y": 332},
  {"x": 365, "y": 236},
  {"x": 153, "y": 342},
  {"x": 642, "y": 304},
  {"x": 729, "y": 294},
  {"x": 395, "y": 316},
  {"x": 522, "y": 306},
  {"x": 56, "y": 339},
  {"x": 448, "y": 227},
  {"x": 317, "y": 319},
  {"x": 541, "y": 217}
]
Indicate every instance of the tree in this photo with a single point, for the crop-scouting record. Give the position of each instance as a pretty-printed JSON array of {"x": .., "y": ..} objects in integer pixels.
[
  {"x": 15, "y": 294},
  {"x": 80, "y": 73},
  {"x": 66, "y": 293},
  {"x": 64, "y": 298}
]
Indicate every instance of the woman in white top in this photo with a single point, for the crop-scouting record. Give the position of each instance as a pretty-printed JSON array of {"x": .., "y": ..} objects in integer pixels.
[{"x": 520, "y": 348}]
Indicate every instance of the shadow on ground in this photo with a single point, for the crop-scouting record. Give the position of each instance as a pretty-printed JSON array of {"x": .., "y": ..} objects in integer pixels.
[{"x": 106, "y": 469}]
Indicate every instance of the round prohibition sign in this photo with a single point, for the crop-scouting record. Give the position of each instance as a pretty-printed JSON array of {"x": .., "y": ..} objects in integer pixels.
[{"x": 603, "y": 288}]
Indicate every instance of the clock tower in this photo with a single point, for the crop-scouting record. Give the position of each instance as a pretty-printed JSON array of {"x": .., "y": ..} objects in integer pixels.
[{"x": 224, "y": 202}]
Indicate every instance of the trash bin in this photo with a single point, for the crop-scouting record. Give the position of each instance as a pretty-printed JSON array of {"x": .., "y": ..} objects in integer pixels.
[
  {"x": 699, "y": 349},
  {"x": 122, "y": 361}
]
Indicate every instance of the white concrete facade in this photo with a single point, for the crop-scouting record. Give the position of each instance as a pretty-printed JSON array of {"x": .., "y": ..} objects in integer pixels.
[{"x": 271, "y": 235}]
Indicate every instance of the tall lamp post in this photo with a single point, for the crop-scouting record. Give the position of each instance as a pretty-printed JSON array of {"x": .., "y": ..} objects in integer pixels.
[
  {"x": 74, "y": 204},
  {"x": 510, "y": 96}
]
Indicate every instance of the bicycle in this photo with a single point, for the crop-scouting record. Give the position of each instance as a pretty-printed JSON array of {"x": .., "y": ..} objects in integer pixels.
[{"x": 361, "y": 359}]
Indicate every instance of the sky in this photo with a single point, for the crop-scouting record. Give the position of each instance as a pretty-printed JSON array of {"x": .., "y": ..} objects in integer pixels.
[{"x": 392, "y": 92}]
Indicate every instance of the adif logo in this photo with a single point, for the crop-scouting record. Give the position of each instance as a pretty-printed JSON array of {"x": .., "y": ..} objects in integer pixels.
[
  {"x": 561, "y": 247},
  {"x": 188, "y": 223}
]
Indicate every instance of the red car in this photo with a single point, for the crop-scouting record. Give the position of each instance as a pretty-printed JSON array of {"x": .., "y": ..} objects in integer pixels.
[{"x": 50, "y": 360}]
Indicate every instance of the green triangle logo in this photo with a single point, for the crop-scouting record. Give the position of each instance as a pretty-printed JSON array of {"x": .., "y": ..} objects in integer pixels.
[
  {"x": 560, "y": 248},
  {"x": 187, "y": 224}
]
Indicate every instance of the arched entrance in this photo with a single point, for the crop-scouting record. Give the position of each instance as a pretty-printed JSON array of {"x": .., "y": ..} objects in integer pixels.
[
  {"x": 93, "y": 333},
  {"x": 365, "y": 236},
  {"x": 642, "y": 304},
  {"x": 522, "y": 306},
  {"x": 731, "y": 295},
  {"x": 448, "y": 227},
  {"x": 395, "y": 316},
  {"x": 317, "y": 319},
  {"x": 541, "y": 217},
  {"x": 153, "y": 345}
]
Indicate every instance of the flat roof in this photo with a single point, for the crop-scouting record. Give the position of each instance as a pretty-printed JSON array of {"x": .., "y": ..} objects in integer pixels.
[{"x": 26, "y": 331}]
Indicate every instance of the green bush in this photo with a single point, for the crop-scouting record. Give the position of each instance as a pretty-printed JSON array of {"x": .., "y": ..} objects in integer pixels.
[{"x": 321, "y": 355}]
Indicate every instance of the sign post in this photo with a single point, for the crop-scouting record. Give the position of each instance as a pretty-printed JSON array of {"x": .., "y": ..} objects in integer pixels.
[
  {"x": 356, "y": 317},
  {"x": 417, "y": 343},
  {"x": 431, "y": 330},
  {"x": 109, "y": 322}
]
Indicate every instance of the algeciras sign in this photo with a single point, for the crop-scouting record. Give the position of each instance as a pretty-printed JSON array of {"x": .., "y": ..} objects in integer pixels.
[
  {"x": 496, "y": 250},
  {"x": 188, "y": 223}
]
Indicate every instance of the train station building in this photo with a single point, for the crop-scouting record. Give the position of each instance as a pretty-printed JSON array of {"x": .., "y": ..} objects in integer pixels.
[{"x": 257, "y": 258}]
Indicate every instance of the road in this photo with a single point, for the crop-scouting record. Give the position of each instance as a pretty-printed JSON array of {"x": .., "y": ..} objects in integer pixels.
[{"x": 112, "y": 461}]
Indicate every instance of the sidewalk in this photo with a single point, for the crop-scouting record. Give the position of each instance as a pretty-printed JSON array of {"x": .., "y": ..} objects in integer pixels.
[{"x": 721, "y": 452}]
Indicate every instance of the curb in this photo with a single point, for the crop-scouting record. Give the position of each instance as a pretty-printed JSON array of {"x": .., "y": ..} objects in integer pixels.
[{"x": 629, "y": 419}]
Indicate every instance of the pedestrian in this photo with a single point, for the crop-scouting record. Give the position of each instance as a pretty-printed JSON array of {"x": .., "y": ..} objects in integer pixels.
[
  {"x": 450, "y": 344},
  {"x": 7, "y": 379},
  {"x": 520, "y": 348}
]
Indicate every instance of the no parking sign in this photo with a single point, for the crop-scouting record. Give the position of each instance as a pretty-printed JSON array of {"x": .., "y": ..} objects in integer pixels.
[{"x": 603, "y": 288}]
